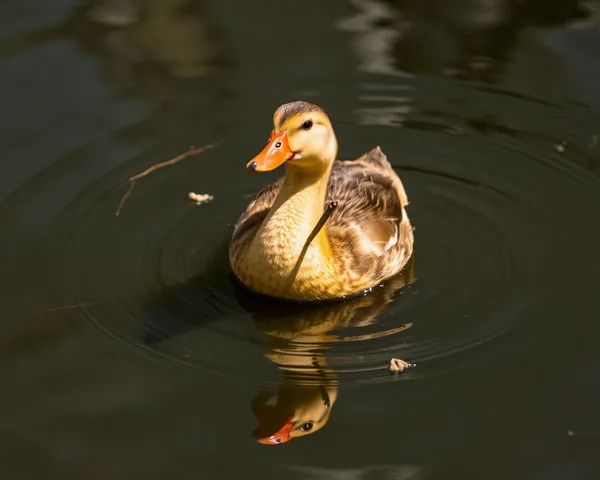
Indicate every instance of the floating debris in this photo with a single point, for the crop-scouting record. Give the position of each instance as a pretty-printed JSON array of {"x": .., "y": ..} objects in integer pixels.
[
  {"x": 560, "y": 147},
  {"x": 171, "y": 161},
  {"x": 398, "y": 365},
  {"x": 200, "y": 197}
]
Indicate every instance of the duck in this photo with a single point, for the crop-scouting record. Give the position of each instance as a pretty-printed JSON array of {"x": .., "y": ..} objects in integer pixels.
[{"x": 278, "y": 247}]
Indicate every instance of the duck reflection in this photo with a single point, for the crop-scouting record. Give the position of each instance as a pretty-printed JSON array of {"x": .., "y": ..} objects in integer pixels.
[{"x": 298, "y": 338}]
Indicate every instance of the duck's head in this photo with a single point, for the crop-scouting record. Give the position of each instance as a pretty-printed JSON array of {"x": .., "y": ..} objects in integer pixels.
[{"x": 302, "y": 137}]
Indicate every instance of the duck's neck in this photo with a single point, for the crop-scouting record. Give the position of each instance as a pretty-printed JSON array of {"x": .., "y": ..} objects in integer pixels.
[
  {"x": 296, "y": 211},
  {"x": 303, "y": 195}
]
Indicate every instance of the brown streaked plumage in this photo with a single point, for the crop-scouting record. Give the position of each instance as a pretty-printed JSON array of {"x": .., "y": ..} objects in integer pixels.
[{"x": 367, "y": 239}]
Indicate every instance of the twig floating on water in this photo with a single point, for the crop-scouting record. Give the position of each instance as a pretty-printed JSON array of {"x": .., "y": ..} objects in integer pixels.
[
  {"x": 171, "y": 161},
  {"x": 126, "y": 196},
  {"x": 68, "y": 307}
]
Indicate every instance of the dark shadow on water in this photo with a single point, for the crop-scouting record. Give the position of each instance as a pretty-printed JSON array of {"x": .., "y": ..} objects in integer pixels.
[
  {"x": 456, "y": 178},
  {"x": 176, "y": 310},
  {"x": 296, "y": 339}
]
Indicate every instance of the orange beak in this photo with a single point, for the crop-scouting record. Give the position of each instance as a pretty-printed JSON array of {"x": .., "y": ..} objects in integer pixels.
[
  {"x": 273, "y": 155},
  {"x": 281, "y": 436}
]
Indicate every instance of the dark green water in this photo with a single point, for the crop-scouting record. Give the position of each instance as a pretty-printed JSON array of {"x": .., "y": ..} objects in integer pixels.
[{"x": 489, "y": 111}]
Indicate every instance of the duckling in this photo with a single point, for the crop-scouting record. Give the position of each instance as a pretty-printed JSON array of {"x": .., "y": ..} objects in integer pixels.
[{"x": 367, "y": 239}]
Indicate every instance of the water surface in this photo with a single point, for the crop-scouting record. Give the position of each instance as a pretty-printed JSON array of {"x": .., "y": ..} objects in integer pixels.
[{"x": 127, "y": 351}]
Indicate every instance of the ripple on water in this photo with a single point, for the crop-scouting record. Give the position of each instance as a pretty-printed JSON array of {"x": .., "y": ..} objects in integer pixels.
[{"x": 159, "y": 276}]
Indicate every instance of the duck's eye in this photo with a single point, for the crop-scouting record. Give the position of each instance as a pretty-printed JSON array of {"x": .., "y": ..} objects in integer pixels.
[
  {"x": 307, "y": 125},
  {"x": 306, "y": 427},
  {"x": 278, "y": 144}
]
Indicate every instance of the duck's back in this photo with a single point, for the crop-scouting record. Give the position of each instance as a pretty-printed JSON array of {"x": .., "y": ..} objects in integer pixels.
[{"x": 369, "y": 232}]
